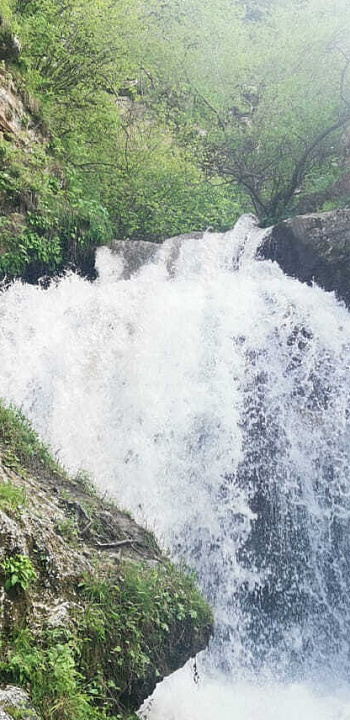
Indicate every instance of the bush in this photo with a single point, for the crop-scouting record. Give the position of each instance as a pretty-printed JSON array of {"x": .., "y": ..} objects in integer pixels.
[{"x": 19, "y": 572}]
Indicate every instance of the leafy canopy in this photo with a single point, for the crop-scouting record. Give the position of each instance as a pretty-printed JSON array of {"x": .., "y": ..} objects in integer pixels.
[{"x": 260, "y": 99}]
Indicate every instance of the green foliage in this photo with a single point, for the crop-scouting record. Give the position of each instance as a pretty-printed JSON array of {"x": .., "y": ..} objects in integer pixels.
[
  {"x": 6, "y": 9},
  {"x": 28, "y": 199},
  {"x": 20, "y": 446},
  {"x": 19, "y": 713},
  {"x": 9, "y": 50},
  {"x": 19, "y": 572},
  {"x": 140, "y": 136},
  {"x": 269, "y": 107},
  {"x": 129, "y": 623},
  {"x": 138, "y": 622},
  {"x": 107, "y": 166},
  {"x": 31, "y": 249},
  {"x": 164, "y": 193},
  {"x": 49, "y": 220},
  {"x": 49, "y": 665},
  {"x": 12, "y": 498}
]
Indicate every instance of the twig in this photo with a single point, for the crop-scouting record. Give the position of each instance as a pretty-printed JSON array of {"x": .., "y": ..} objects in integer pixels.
[
  {"x": 121, "y": 543},
  {"x": 85, "y": 529}
]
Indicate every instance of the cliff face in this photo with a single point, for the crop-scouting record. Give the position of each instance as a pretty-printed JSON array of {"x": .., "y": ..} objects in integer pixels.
[
  {"x": 41, "y": 230},
  {"x": 86, "y": 592},
  {"x": 26, "y": 171}
]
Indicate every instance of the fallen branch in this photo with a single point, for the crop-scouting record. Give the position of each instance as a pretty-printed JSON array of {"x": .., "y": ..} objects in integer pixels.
[
  {"x": 121, "y": 543},
  {"x": 86, "y": 528}
]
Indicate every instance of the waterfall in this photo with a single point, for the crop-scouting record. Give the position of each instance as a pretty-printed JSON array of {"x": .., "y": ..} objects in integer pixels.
[{"x": 210, "y": 394}]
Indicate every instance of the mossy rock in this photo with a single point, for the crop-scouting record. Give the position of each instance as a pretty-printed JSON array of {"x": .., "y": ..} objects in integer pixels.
[{"x": 92, "y": 615}]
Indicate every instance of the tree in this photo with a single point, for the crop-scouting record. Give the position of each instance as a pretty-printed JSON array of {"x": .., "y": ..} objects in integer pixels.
[
  {"x": 93, "y": 162},
  {"x": 262, "y": 104},
  {"x": 86, "y": 58}
]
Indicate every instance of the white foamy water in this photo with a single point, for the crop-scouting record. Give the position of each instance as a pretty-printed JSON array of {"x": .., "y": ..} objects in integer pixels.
[
  {"x": 179, "y": 697},
  {"x": 211, "y": 395}
]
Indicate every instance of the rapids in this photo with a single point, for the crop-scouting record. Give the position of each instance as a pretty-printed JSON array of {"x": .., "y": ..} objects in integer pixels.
[{"x": 210, "y": 394}]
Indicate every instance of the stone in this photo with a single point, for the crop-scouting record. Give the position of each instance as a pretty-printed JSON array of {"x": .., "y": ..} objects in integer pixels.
[
  {"x": 313, "y": 248},
  {"x": 16, "y": 699},
  {"x": 135, "y": 254}
]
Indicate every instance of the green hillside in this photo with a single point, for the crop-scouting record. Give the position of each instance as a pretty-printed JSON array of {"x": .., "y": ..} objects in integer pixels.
[{"x": 143, "y": 120}]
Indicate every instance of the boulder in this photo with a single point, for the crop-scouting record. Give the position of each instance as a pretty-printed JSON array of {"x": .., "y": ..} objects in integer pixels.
[{"x": 313, "y": 248}]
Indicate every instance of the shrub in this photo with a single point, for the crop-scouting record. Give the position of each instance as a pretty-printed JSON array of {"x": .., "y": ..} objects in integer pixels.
[{"x": 19, "y": 572}]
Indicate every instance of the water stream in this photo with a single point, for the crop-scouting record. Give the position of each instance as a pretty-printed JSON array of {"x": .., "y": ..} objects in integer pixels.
[{"x": 210, "y": 394}]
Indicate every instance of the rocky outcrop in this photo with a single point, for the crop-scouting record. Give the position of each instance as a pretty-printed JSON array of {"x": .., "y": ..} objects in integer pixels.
[
  {"x": 86, "y": 583},
  {"x": 313, "y": 248},
  {"x": 134, "y": 254},
  {"x": 15, "y": 703},
  {"x": 17, "y": 114},
  {"x": 56, "y": 527}
]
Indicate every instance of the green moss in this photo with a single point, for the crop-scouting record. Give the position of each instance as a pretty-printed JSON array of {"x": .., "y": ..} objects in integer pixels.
[{"x": 19, "y": 713}]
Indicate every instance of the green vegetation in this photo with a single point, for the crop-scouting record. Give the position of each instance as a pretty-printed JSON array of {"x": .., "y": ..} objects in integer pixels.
[
  {"x": 12, "y": 498},
  {"x": 68, "y": 529},
  {"x": 49, "y": 665},
  {"x": 130, "y": 622},
  {"x": 128, "y": 131},
  {"x": 135, "y": 623},
  {"x": 19, "y": 572},
  {"x": 19, "y": 713},
  {"x": 101, "y": 166},
  {"x": 268, "y": 111},
  {"x": 21, "y": 449}
]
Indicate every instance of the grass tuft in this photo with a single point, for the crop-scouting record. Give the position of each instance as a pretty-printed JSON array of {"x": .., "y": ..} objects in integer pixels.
[{"x": 20, "y": 446}]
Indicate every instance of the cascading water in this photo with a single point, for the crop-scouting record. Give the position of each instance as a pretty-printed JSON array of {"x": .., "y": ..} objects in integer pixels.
[{"x": 211, "y": 395}]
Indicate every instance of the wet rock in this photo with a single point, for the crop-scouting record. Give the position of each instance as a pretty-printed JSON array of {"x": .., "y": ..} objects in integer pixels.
[
  {"x": 134, "y": 254},
  {"x": 314, "y": 248}
]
